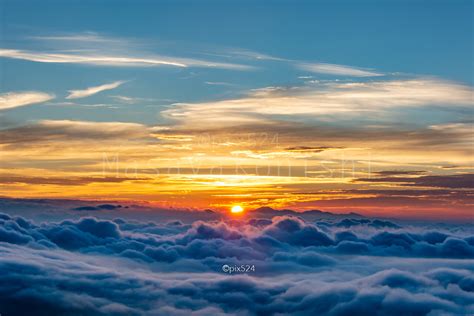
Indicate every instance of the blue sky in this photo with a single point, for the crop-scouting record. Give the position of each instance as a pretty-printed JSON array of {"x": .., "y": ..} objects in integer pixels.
[{"x": 406, "y": 37}]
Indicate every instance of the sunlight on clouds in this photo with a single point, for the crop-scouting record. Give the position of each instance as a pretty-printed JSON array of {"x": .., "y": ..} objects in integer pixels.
[
  {"x": 333, "y": 69},
  {"x": 116, "y": 60},
  {"x": 328, "y": 101},
  {"x": 275, "y": 146},
  {"x": 16, "y": 99},
  {"x": 105, "y": 60}
]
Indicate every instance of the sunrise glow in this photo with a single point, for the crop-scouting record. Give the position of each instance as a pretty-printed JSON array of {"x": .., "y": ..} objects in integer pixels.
[
  {"x": 213, "y": 128},
  {"x": 236, "y": 209}
]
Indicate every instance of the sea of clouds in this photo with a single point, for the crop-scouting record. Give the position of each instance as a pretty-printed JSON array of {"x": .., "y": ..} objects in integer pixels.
[{"x": 92, "y": 266}]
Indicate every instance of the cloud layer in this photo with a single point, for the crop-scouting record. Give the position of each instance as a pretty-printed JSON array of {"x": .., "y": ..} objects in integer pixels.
[{"x": 350, "y": 266}]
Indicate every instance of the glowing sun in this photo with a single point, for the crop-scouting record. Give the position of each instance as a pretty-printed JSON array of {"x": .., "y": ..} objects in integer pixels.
[{"x": 236, "y": 209}]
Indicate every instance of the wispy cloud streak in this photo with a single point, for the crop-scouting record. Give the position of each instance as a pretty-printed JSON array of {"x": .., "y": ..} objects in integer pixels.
[
  {"x": 334, "y": 69},
  {"x": 323, "y": 100},
  {"x": 15, "y": 99},
  {"x": 76, "y": 94},
  {"x": 117, "y": 60}
]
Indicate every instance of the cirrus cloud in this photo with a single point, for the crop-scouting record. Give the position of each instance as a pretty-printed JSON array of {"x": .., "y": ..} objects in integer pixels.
[
  {"x": 116, "y": 60},
  {"x": 334, "y": 69},
  {"x": 11, "y": 100},
  {"x": 322, "y": 101},
  {"x": 76, "y": 94}
]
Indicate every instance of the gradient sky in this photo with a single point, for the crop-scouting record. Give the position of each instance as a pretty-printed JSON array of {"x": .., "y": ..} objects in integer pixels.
[{"x": 339, "y": 106}]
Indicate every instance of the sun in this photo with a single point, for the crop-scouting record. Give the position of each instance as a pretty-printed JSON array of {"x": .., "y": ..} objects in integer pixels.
[{"x": 236, "y": 209}]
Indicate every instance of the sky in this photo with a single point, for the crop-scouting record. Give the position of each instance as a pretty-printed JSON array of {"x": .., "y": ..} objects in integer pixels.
[
  {"x": 129, "y": 130},
  {"x": 331, "y": 105}
]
